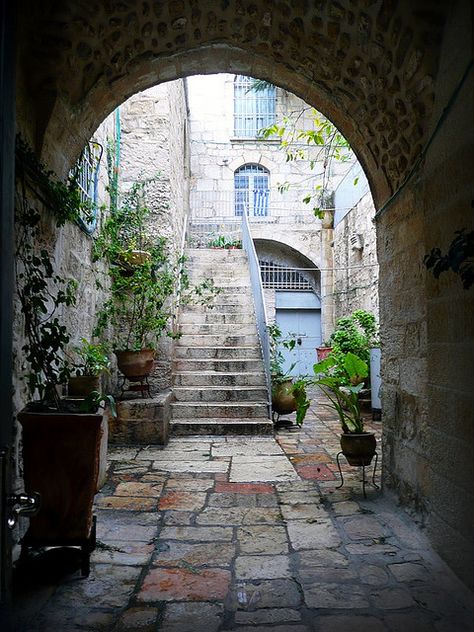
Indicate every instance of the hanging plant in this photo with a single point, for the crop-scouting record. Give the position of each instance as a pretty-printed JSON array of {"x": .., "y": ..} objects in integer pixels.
[{"x": 459, "y": 258}]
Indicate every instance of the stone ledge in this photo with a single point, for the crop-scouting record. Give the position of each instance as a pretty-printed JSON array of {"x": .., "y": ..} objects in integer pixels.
[{"x": 144, "y": 421}]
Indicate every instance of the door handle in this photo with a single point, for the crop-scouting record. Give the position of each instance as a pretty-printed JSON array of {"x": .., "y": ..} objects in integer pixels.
[
  {"x": 298, "y": 341},
  {"x": 22, "y": 505}
]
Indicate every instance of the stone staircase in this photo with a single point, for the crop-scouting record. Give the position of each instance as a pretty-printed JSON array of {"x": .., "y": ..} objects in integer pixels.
[{"x": 218, "y": 376}]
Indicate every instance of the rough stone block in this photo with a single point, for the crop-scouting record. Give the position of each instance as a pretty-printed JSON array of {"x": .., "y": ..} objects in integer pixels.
[{"x": 142, "y": 421}]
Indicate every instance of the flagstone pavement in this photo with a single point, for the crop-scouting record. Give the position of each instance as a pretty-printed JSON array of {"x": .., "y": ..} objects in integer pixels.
[{"x": 245, "y": 533}]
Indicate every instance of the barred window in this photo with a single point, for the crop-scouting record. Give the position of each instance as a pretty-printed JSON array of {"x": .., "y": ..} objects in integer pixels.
[
  {"x": 86, "y": 176},
  {"x": 253, "y": 109},
  {"x": 251, "y": 185},
  {"x": 278, "y": 277}
]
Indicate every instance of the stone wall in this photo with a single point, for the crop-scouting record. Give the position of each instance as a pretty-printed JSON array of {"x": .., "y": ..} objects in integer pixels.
[{"x": 355, "y": 261}]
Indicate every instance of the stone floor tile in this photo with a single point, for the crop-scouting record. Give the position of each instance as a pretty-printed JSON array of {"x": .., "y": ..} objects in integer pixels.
[
  {"x": 268, "y": 615},
  {"x": 325, "y": 558},
  {"x": 266, "y": 468},
  {"x": 405, "y": 622},
  {"x": 233, "y": 500},
  {"x": 139, "y": 489},
  {"x": 179, "y": 456},
  {"x": 345, "y": 508},
  {"x": 274, "y": 593},
  {"x": 127, "y": 503},
  {"x": 353, "y": 623},
  {"x": 260, "y": 448},
  {"x": 126, "y": 526},
  {"x": 180, "y": 584},
  {"x": 191, "y": 466},
  {"x": 302, "y": 511},
  {"x": 409, "y": 572},
  {"x": 335, "y": 595},
  {"x": 244, "y": 488},
  {"x": 299, "y": 497},
  {"x": 315, "y": 472},
  {"x": 238, "y": 516},
  {"x": 199, "y": 534},
  {"x": 262, "y": 567},
  {"x": 319, "y": 575},
  {"x": 312, "y": 535},
  {"x": 122, "y": 454},
  {"x": 373, "y": 575},
  {"x": 391, "y": 598},
  {"x": 138, "y": 618},
  {"x": 371, "y": 548},
  {"x": 182, "y": 501},
  {"x": 178, "y": 518},
  {"x": 274, "y": 628},
  {"x": 262, "y": 539},
  {"x": 192, "y": 484},
  {"x": 192, "y": 616},
  {"x": 310, "y": 458},
  {"x": 187, "y": 554},
  {"x": 127, "y": 553},
  {"x": 364, "y": 528}
]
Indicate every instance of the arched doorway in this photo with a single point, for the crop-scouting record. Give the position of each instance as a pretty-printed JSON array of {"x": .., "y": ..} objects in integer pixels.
[{"x": 384, "y": 73}]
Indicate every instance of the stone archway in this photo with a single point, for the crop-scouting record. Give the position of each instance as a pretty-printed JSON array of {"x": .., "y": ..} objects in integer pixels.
[{"x": 394, "y": 77}]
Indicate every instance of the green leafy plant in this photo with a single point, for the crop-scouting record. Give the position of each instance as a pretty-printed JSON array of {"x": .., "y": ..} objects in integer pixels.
[
  {"x": 222, "y": 241},
  {"x": 143, "y": 290},
  {"x": 95, "y": 400},
  {"x": 42, "y": 293},
  {"x": 94, "y": 359},
  {"x": 279, "y": 376},
  {"x": 356, "y": 333},
  {"x": 459, "y": 258},
  {"x": 342, "y": 379}
]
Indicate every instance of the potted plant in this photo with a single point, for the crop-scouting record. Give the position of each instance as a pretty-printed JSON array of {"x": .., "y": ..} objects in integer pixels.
[
  {"x": 341, "y": 380},
  {"x": 224, "y": 242},
  {"x": 60, "y": 447},
  {"x": 93, "y": 362},
  {"x": 288, "y": 394},
  {"x": 323, "y": 351}
]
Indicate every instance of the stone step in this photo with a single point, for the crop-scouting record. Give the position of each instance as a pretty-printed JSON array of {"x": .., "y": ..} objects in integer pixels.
[
  {"x": 218, "y": 394},
  {"x": 243, "y": 309},
  {"x": 217, "y": 340},
  {"x": 218, "y": 329},
  {"x": 222, "y": 426},
  {"x": 234, "y": 410},
  {"x": 209, "y": 317},
  {"x": 207, "y": 365},
  {"x": 218, "y": 378},
  {"x": 218, "y": 353},
  {"x": 214, "y": 254}
]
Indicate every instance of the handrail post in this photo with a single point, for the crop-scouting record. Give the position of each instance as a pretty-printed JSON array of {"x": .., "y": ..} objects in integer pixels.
[{"x": 259, "y": 303}]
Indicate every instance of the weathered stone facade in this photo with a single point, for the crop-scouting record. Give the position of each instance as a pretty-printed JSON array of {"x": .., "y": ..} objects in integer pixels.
[
  {"x": 396, "y": 79},
  {"x": 355, "y": 261}
]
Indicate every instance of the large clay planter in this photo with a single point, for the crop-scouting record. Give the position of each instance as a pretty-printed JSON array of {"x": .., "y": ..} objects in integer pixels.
[
  {"x": 283, "y": 401},
  {"x": 135, "y": 364},
  {"x": 83, "y": 385},
  {"x": 358, "y": 448},
  {"x": 61, "y": 461}
]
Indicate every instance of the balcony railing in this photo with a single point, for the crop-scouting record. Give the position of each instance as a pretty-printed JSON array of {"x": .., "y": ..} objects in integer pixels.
[{"x": 260, "y": 206}]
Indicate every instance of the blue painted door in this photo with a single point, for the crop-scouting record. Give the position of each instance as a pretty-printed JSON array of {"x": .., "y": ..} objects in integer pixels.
[{"x": 305, "y": 326}]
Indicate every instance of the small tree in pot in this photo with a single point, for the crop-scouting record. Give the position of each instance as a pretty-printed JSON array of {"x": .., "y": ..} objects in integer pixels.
[{"x": 341, "y": 380}]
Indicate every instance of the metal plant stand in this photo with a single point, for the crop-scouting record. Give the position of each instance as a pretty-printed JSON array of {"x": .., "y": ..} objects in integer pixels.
[
  {"x": 363, "y": 473},
  {"x": 135, "y": 385}
]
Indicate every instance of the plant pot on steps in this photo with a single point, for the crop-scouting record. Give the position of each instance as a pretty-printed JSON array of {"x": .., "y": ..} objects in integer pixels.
[
  {"x": 135, "y": 365},
  {"x": 358, "y": 448},
  {"x": 283, "y": 400},
  {"x": 83, "y": 385}
]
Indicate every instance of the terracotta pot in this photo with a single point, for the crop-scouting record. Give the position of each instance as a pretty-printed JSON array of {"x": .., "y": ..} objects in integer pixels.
[
  {"x": 323, "y": 352},
  {"x": 83, "y": 385},
  {"x": 358, "y": 448},
  {"x": 135, "y": 364},
  {"x": 283, "y": 401}
]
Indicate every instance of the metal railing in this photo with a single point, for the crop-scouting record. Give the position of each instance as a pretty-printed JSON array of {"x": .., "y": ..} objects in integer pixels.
[
  {"x": 259, "y": 303},
  {"x": 267, "y": 206},
  {"x": 283, "y": 278}
]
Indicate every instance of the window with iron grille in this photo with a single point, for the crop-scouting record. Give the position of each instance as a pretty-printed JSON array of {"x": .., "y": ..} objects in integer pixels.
[
  {"x": 251, "y": 187},
  {"x": 253, "y": 110},
  {"x": 86, "y": 176},
  {"x": 277, "y": 277}
]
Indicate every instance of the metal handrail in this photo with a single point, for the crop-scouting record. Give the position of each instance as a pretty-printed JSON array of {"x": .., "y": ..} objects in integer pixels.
[{"x": 259, "y": 303}]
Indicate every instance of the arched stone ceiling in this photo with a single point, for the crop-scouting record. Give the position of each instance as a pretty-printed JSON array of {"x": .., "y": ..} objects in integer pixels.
[{"x": 369, "y": 65}]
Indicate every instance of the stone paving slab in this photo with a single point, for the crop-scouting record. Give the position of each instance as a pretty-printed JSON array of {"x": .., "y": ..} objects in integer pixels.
[{"x": 244, "y": 533}]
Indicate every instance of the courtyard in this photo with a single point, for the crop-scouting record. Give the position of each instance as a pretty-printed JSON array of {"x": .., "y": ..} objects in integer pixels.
[{"x": 245, "y": 533}]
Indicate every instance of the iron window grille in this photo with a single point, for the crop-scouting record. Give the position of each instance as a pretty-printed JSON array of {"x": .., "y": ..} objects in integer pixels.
[
  {"x": 86, "y": 177},
  {"x": 251, "y": 190},
  {"x": 276, "y": 277},
  {"x": 253, "y": 110}
]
